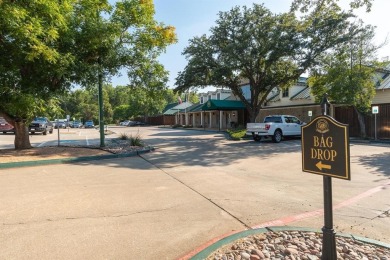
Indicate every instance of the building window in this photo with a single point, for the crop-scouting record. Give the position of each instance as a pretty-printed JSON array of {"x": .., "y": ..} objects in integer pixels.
[
  {"x": 209, "y": 97},
  {"x": 285, "y": 92},
  {"x": 201, "y": 100},
  {"x": 218, "y": 96},
  {"x": 246, "y": 91}
]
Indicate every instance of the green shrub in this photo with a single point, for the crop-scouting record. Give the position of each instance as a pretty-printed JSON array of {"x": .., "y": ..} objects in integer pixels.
[
  {"x": 236, "y": 134},
  {"x": 136, "y": 140},
  {"x": 187, "y": 126},
  {"x": 177, "y": 125},
  {"x": 133, "y": 140},
  {"x": 124, "y": 136}
]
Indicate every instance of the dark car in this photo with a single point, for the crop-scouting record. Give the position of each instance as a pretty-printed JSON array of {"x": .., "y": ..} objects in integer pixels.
[
  {"x": 135, "y": 123},
  {"x": 89, "y": 124},
  {"x": 6, "y": 127},
  {"x": 131, "y": 123},
  {"x": 40, "y": 125}
]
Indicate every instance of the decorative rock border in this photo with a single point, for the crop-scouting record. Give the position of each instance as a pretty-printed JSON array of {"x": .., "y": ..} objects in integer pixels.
[{"x": 290, "y": 243}]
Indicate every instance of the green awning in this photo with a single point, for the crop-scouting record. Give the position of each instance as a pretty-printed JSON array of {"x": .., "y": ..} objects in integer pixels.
[{"x": 223, "y": 105}]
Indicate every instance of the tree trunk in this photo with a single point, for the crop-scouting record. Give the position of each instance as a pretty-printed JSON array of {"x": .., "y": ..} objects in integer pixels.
[
  {"x": 22, "y": 139},
  {"x": 253, "y": 113},
  {"x": 362, "y": 124}
]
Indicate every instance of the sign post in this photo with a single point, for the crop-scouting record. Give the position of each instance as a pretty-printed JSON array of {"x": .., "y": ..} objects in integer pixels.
[
  {"x": 58, "y": 132},
  {"x": 375, "y": 111},
  {"x": 325, "y": 151}
]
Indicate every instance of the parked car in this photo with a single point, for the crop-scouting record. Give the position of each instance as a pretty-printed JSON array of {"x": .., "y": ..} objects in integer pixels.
[
  {"x": 124, "y": 123},
  {"x": 276, "y": 127},
  {"x": 89, "y": 124},
  {"x": 59, "y": 124},
  {"x": 131, "y": 123},
  {"x": 6, "y": 127},
  {"x": 40, "y": 125},
  {"x": 76, "y": 124}
]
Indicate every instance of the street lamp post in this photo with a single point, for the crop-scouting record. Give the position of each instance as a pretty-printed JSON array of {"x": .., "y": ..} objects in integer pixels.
[{"x": 100, "y": 93}]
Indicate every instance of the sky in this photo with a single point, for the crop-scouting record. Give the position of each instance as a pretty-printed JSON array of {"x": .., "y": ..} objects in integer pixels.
[{"x": 195, "y": 17}]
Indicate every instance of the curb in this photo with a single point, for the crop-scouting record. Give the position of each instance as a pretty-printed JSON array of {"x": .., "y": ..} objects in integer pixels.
[
  {"x": 203, "y": 254},
  {"x": 73, "y": 159}
]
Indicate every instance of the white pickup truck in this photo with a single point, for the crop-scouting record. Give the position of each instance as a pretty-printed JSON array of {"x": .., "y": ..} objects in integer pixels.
[{"x": 275, "y": 126}]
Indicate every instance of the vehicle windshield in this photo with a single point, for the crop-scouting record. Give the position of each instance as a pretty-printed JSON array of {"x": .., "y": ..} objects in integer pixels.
[
  {"x": 39, "y": 119},
  {"x": 273, "y": 119}
]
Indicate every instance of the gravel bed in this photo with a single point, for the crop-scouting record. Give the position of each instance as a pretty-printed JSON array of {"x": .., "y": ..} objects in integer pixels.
[
  {"x": 118, "y": 146},
  {"x": 115, "y": 146},
  {"x": 294, "y": 245}
]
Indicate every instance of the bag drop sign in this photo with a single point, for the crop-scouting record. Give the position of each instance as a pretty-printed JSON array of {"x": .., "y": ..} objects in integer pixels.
[{"x": 325, "y": 148}]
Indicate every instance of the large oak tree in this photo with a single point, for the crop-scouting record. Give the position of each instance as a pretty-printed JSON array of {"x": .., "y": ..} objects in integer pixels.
[{"x": 269, "y": 50}]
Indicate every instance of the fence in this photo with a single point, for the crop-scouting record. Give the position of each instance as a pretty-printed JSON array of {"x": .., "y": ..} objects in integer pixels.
[
  {"x": 158, "y": 120},
  {"x": 347, "y": 115}
]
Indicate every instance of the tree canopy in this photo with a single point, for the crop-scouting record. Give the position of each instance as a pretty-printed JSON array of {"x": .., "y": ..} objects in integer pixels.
[
  {"x": 348, "y": 74},
  {"x": 267, "y": 50},
  {"x": 47, "y": 45}
]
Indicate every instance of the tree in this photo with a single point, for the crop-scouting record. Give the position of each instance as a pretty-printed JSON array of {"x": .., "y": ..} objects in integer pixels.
[
  {"x": 121, "y": 112},
  {"x": 305, "y": 5},
  {"x": 28, "y": 39},
  {"x": 347, "y": 75},
  {"x": 267, "y": 49},
  {"x": 47, "y": 45}
]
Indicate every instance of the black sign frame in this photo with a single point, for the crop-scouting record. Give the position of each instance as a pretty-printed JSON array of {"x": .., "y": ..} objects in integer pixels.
[{"x": 325, "y": 148}]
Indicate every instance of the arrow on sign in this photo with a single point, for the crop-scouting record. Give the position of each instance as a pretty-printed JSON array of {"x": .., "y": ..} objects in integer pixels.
[{"x": 323, "y": 166}]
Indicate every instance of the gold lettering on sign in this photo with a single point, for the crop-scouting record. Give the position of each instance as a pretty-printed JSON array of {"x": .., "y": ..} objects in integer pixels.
[
  {"x": 322, "y": 150},
  {"x": 323, "y": 154},
  {"x": 323, "y": 142}
]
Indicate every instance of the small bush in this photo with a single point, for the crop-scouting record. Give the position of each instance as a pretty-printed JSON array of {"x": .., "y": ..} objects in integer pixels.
[
  {"x": 124, "y": 136},
  {"x": 177, "y": 125},
  {"x": 187, "y": 126},
  {"x": 133, "y": 140},
  {"x": 236, "y": 134},
  {"x": 136, "y": 140}
]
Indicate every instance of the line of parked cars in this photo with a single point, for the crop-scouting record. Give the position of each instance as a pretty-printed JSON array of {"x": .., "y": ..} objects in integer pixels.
[{"x": 44, "y": 126}]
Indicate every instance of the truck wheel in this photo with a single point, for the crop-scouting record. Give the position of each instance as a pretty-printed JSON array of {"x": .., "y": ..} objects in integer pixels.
[
  {"x": 44, "y": 132},
  {"x": 277, "y": 136},
  {"x": 257, "y": 138}
]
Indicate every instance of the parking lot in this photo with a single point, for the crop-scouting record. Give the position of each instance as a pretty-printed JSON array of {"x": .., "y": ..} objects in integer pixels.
[
  {"x": 195, "y": 187},
  {"x": 69, "y": 136}
]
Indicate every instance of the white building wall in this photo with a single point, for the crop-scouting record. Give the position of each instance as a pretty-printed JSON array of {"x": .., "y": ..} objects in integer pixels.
[
  {"x": 286, "y": 101},
  {"x": 382, "y": 97},
  {"x": 224, "y": 93}
]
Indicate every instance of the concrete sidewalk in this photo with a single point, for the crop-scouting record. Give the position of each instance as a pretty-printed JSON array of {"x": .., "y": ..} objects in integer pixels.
[{"x": 108, "y": 209}]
